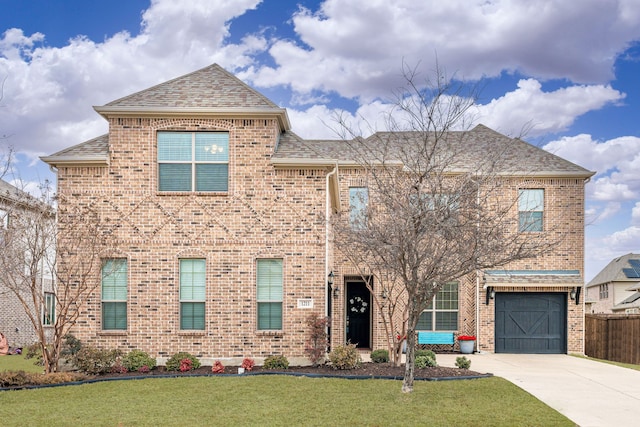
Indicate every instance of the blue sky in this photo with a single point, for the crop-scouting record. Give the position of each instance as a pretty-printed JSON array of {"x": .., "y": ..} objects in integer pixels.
[{"x": 566, "y": 71}]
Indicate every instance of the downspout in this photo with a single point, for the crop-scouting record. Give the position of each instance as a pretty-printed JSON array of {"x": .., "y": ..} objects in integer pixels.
[{"x": 326, "y": 246}]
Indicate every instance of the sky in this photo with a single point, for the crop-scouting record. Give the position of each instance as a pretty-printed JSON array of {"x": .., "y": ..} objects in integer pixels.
[{"x": 564, "y": 75}]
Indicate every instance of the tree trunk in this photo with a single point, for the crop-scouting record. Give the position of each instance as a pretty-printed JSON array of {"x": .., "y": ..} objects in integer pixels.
[{"x": 410, "y": 365}]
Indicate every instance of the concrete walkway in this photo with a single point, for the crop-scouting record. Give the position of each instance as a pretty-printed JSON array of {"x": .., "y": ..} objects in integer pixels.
[{"x": 587, "y": 392}]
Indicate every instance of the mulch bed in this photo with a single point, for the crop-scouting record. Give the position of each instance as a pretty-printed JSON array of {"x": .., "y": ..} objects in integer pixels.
[{"x": 365, "y": 370}]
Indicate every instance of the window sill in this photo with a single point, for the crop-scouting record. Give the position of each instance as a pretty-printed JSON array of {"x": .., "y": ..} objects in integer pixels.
[
  {"x": 194, "y": 332},
  {"x": 270, "y": 333},
  {"x": 113, "y": 332},
  {"x": 192, "y": 193}
]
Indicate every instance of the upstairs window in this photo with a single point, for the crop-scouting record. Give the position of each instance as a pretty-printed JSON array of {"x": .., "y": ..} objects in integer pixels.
[
  {"x": 530, "y": 210},
  {"x": 193, "y": 161},
  {"x": 114, "y": 294},
  {"x": 358, "y": 201},
  {"x": 442, "y": 312}
]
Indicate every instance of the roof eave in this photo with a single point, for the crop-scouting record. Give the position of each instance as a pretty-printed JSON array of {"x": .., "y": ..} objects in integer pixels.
[
  {"x": 57, "y": 161},
  {"x": 227, "y": 112}
]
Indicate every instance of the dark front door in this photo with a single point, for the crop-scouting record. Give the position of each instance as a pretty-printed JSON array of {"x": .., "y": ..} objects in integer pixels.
[
  {"x": 358, "y": 314},
  {"x": 531, "y": 323}
]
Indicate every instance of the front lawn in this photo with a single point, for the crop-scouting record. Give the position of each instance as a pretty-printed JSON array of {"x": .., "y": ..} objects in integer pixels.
[
  {"x": 275, "y": 400},
  {"x": 17, "y": 362}
]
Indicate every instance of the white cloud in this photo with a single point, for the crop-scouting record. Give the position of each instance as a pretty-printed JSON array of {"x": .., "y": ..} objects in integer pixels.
[
  {"x": 635, "y": 216},
  {"x": 49, "y": 91},
  {"x": 354, "y": 46},
  {"x": 617, "y": 162},
  {"x": 543, "y": 112},
  {"x": 624, "y": 241}
]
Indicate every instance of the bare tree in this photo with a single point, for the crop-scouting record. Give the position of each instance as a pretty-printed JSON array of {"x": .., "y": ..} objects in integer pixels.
[
  {"x": 435, "y": 211},
  {"x": 29, "y": 260}
]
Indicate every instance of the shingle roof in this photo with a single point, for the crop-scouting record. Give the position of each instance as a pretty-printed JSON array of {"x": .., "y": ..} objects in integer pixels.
[
  {"x": 209, "y": 90},
  {"x": 613, "y": 272},
  {"x": 92, "y": 152},
  {"x": 515, "y": 155}
]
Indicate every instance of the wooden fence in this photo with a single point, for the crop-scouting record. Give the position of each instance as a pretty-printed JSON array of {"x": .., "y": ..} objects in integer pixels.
[{"x": 613, "y": 337}]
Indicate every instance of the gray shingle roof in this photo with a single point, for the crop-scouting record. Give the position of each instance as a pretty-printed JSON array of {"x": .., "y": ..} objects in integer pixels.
[
  {"x": 95, "y": 151},
  {"x": 515, "y": 155},
  {"x": 613, "y": 271}
]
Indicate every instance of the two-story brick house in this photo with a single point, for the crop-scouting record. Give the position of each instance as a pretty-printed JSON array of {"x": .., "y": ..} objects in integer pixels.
[{"x": 223, "y": 248}]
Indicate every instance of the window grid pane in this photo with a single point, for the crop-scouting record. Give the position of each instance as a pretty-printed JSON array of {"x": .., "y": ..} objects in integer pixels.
[
  {"x": 192, "y": 293},
  {"x": 193, "y": 161},
  {"x": 358, "y": 201},
  {"x": 445, "y": 312},
  {"x": 530, "y": 210},
  {"x": 114, "y": 283},
  {"x": 269, "y": 294},
  {"x": 49, "y": 315}
]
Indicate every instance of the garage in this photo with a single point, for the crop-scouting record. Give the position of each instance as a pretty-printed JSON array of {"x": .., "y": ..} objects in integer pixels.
[{"x": 531, "y": 322}]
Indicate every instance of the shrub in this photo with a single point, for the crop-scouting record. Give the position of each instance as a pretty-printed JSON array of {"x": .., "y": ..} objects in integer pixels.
[
  {"x": 218, "y": 367},
  {"x": 463, "y": 363},
  {"x": 136, "y": 359},
  {"x": 71, "y": 346},
  {"x": 95, "y": 361},
  {"x": 186, "y": 365},
  {"x": 119, "y": 368},
  {"x": 34, "y": 351},
  {"x": 21, "y": 378},
  {"x": 174, "y": 363},
  {"x": 380, "y": 356},
  {"x": 427, "y": 353},
  {"x": 425, "y": 362},
  {"x": 248, "y": 364},
  {"x": 276, "y": 362},
  {"x": 144, "y": 369},
  {"x": 316, "y": 346},
  {"x": 345, "y": 357}
]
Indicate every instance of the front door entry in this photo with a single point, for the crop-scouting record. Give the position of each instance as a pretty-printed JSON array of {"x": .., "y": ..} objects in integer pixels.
[{"x": 358, "y": 314}]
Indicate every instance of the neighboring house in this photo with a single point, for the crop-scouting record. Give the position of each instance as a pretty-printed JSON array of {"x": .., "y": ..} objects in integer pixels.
[
  {"x": 223, "y": 248},
  {"x": 616, "y": 289},
  {"x": 15, "y": 205}
]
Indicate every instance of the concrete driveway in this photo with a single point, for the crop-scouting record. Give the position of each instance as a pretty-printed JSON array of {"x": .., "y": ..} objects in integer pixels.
[{"x": 587, "y": 392}]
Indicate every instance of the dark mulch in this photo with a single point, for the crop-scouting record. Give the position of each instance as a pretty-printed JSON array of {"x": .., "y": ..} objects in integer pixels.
[{"x": 372, "y": 370}]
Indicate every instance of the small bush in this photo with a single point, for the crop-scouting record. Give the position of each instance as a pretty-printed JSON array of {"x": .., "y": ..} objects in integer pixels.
[
  {"x": 119, "y": 368},
  {"x": 71, "y": 346},
  {"x": 144, "y": 369},
  {"x": 345, "y": 357},
  {"x": 21, "y": 378},
  {"x": 186, "y": 365},
  {"x": 136, "y": 359},
  {"x": 427, "y": 353},
  {"x": 463, "y": 363},
  {"x": 218, "y": 367},
  {"x": 425, "y": 362},
  {"x": 175, "y": 361},
  {"x": 248, "y": 364},
  {"x": 95, "y": 361},
  {"x": 380, "y": 356},
  {"x": 276, "y": 362},
  {"x": 316, "y": 345},
  {"x": 34, "y": 351}
]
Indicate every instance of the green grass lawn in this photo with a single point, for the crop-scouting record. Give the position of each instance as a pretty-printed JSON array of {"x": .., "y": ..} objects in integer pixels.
[
  {"x": 278, "y": 400},
  {"x": 17, "y": 362},
  {"x": 623, "y": 365}
]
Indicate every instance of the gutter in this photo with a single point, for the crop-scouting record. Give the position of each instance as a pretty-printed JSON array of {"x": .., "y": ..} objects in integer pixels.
[{"x": 326, "y": 241}]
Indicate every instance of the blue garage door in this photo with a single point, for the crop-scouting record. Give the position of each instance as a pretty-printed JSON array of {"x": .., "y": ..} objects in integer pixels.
[{"x": 531, "y": 323}]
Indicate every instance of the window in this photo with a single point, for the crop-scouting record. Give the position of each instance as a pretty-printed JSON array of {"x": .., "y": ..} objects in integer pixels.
[
  {"x": 604, "y": 291},
  {"x": 192, "y": 293},
  {"x": 114, "y": 294},
  {"x": 193, "y": 161},
  {"x": 530, "y": 209},
  {"x": 269, "y": 278},
  {"x": 358, "y": 201},
  {"x": 441, "y": 313},
  {"x": 49, "y": 315},
  {"x": 4, "y": 219}
]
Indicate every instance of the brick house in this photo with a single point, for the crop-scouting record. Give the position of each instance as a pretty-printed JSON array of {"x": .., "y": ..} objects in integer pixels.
[
  {"x": 15, "y": 207},
  {"x": 222, "y": 246}
]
